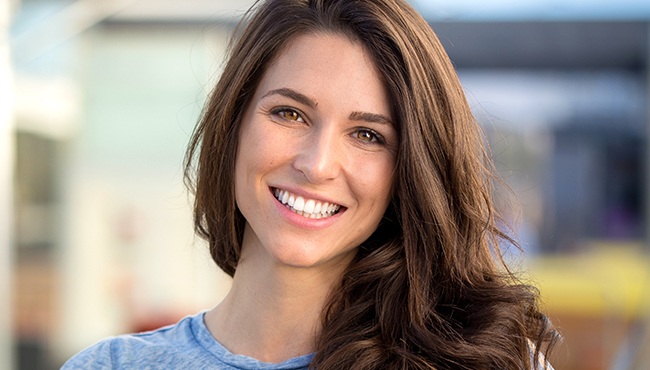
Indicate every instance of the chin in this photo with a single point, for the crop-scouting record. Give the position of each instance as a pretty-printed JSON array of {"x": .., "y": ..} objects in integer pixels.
[{"x": 306, "y": 258}]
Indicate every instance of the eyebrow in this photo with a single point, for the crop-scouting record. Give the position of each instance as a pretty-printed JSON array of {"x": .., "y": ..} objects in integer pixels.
[
  {"x": 293, "y": 94},
  {"x": 370, "y": 117},
  {"x": 303, "y": 99}
]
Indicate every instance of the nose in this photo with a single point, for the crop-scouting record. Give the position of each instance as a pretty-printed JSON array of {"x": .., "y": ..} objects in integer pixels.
[{"x": 320, "y": 156}]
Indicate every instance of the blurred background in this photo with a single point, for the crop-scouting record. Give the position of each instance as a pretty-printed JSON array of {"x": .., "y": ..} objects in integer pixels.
[{"x": 98, "y": 99}]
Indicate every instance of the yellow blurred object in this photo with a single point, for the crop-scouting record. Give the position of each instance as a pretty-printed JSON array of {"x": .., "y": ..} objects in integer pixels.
[
  {"x": 609, "y": 279},
  {"x": 598, "y": 300}
]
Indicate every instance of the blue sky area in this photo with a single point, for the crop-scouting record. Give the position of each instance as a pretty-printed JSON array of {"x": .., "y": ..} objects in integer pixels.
[{"x": 527, "y": 10}]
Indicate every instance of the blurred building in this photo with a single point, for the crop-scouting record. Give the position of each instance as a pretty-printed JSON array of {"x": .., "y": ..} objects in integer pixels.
[
  {"x": 564, "y": 101},
  {"x": 106, "y": 95}
]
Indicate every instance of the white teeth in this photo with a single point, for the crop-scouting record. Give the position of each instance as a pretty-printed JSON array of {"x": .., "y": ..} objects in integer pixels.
[
  {"x": 309, "y": 208},
  {"x": 299, "y": 204}
]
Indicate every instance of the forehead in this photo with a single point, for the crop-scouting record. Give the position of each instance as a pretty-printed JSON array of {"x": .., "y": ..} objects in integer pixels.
[{"x": 328, "y": 65}]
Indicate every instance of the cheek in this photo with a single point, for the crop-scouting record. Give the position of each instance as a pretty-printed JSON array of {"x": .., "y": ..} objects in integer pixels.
[
  {"x": 374, "y": 191},
  {"x": 259, "y": 153},
  {"x": 375, "y": 177},
  {"x": 261, "y": 141},
  {"x": 244, "y": 165},
  {"x": 240, "y": 182}
]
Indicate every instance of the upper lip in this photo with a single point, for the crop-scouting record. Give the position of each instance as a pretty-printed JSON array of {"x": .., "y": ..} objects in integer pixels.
[{"x": 307, "y": 195}]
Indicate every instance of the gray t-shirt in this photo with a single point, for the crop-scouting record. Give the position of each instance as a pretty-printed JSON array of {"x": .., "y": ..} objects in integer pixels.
[{"x": 185, "y": 345}]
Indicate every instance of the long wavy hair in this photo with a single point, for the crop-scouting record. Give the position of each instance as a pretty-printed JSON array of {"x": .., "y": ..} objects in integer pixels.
[{"x": 427, "y": 290}]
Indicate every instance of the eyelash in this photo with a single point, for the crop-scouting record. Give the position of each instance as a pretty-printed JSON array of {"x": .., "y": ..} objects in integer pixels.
[{"x": 376, "y": 139}]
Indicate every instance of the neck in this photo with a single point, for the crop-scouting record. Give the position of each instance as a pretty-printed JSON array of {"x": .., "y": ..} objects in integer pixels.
[{"x": 273, "y": 311}]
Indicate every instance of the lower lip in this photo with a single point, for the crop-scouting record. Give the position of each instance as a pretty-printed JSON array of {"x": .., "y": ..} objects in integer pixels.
[{"x": 304, "y": 222}]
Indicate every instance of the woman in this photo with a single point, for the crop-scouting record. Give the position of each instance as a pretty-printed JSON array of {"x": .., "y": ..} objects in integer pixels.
[{"x": 340, "y": 178}]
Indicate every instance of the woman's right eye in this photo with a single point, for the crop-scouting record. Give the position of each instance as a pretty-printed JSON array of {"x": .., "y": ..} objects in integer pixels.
[{"x": 288, "y": 114}]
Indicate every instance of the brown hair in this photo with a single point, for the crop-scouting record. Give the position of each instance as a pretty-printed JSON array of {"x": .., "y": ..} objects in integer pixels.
[{"x": 425, "y": 290}]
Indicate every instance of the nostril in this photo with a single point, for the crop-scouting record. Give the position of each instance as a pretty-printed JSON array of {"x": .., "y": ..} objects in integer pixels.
[{"x": 318, "y": 163}]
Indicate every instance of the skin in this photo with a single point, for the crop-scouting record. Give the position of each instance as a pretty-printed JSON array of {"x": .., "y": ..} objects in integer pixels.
[{"x": 319, "y": 126}]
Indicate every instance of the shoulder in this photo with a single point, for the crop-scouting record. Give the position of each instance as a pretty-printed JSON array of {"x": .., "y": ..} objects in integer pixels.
[
  {"x": 537, "y": 359},
  {"x": 95, "y": 357},
  {"x": 173, "y": 346}
]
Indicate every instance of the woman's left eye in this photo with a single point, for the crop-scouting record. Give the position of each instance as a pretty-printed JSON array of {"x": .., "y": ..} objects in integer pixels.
[{"x": 368, "y": 136}]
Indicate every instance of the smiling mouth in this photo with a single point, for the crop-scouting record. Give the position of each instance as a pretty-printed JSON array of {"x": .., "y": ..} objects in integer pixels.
[{"x": 309, "y": 208}]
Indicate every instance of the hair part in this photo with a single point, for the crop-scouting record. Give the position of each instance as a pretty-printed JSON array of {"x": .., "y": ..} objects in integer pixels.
[{"x": 424, "y": 291}]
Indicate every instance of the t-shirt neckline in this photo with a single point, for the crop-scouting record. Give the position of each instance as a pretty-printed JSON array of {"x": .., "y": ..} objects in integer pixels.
[{"x": 209, "y": 343}]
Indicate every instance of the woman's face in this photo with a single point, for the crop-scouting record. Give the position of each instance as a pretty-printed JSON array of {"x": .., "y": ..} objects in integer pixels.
[{"x": 317, "y": 151}]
